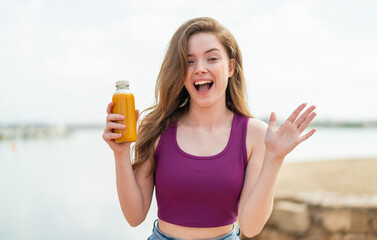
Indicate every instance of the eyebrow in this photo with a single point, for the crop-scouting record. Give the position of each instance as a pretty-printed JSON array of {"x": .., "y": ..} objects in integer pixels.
[{"x": 209, "y": 50}]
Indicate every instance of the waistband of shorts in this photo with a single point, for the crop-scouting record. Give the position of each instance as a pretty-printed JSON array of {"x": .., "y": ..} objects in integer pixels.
[{"x": 158, "y": 231}]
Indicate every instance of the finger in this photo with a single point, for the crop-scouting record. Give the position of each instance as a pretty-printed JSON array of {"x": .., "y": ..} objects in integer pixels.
[
  {"x": 306, "y": 123},
  {"x": 296, "y": 112},
  {"x": 307, "y": 135},
  {"x": 113, "y": 125},
  {"x": 108, "y": 136},
  {"x": 137, "y": 114},
  {"x": 303, "y": 116},
  {"x": 272, "y": 121},
  {"x": 110, "y": 108},
  {"x": 114, "y": 117}
]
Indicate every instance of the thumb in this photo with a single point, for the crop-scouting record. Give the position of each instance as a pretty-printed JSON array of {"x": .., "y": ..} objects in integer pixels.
[{"x": 272, "y": 121}]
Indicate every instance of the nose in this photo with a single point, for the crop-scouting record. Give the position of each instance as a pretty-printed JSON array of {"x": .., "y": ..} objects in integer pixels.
[{"x": 200, "y": 68}]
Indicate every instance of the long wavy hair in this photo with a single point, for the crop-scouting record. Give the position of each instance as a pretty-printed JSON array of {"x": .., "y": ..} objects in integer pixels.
[{"x": 171, "y": 96}]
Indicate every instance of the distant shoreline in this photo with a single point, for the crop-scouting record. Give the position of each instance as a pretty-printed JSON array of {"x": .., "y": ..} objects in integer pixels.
[
  {"x": 318, "y": 123},
  {"x": 330, "y": 124},
  {"x": 45, "y": 130},
  {"x": 339, "y": 124},
  {"x": 39, "y": 131}
]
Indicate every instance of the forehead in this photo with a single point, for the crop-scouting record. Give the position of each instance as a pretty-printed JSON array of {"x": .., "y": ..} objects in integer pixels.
[{"x": 199, "y": 43}]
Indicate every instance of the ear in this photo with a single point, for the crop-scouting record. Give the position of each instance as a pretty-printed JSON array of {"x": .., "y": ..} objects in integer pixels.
[{"x": 232, "y": 67}]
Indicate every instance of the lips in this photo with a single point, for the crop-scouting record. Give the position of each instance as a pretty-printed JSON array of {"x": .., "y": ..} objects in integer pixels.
[{"x": 203, "y": 85}]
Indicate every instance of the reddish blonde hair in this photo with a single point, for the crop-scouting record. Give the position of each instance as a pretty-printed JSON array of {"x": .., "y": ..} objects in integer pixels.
[{"x": 172, "y": 98}]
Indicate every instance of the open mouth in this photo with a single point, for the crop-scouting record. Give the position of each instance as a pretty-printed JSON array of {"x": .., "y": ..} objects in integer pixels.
[{"x": 203, "y": 86}]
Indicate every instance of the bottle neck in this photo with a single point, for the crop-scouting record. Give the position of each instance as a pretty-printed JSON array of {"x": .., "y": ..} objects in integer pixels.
[
  {"x": 122, "y": 89},
  {"x": 127, "y": 88}
]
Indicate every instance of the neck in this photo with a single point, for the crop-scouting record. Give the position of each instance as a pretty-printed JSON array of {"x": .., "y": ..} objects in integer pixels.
[{"x": 207, "y": 116}]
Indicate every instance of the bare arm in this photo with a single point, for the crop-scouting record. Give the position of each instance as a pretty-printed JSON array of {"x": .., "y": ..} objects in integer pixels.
[
  {"x": 264, "y": 164},
  {"x": 258, "y": 201},
  {"x": 135, "y": 188}
]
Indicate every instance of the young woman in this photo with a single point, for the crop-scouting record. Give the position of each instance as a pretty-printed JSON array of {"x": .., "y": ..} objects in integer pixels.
[{"x": 208, "y": 159}]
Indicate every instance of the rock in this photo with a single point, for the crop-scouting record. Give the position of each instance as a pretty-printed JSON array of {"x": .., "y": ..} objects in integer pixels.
[
  {"x": 371, "y": 237},
  {"x": 335, "y": 220},
  {"x": 290, "y": 217},
  {"x": 336, "y": 236},
  {"x": 355, "y": 236},
  {"x": 270, "y": 234},
  {"x": 373, "y": 216},
  {"x": 346, "y": 219},
  {"x": 360, "y": 219}
]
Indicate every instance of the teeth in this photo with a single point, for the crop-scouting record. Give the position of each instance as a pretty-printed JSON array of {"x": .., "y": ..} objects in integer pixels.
[{"x": 202, "y": 82}]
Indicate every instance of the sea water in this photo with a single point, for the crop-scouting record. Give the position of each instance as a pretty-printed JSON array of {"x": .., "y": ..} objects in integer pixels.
[
  {"x": 62, "y": 189},
  {"x": 65, "y": 188}
]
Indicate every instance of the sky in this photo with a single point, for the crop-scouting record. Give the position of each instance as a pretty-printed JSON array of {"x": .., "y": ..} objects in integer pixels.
[{"x": 59, "y": 59}]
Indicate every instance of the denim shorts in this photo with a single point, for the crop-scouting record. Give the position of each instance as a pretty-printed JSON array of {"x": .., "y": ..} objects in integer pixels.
[{"x": 159, "y": 235}]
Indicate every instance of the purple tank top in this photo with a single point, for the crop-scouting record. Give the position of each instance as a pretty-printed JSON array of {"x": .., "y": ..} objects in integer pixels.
[{"x": 200, "y": 191}]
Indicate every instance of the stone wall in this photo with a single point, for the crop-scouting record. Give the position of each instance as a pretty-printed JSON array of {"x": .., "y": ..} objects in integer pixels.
[{"x": 319, "y": 216}]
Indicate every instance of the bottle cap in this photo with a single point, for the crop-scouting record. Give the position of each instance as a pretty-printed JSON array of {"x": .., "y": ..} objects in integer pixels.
[{"x": 122, "y": 83}]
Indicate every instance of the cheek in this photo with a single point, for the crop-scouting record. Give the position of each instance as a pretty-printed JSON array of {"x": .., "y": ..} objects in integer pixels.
[
  {"x": 224, "y": 72},
  {"x": 188, "y": 76},
  {"x": 188, "y": 73},
  {"x": 221, "y": 68},
  {"x": 187, "y": 82}
]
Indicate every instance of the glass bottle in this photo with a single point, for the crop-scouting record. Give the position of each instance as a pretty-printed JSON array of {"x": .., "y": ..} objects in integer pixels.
[{"x": 124, "y": 104}]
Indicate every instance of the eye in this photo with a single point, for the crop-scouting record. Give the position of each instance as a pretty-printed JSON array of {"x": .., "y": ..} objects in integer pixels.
[
  {"x": 190, "y": 61},
  {"x": 213, "y": 59}
]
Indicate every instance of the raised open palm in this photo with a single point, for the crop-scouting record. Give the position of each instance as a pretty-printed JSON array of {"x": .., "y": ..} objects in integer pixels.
[{"x": 281, "y": 141}]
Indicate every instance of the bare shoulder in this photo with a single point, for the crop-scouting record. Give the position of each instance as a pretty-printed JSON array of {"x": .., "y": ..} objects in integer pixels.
[
  {"x": 256, "y": 132},
  {"x": 256, "y": 129}
]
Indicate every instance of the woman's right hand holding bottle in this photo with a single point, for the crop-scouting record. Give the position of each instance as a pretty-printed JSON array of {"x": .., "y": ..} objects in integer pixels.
[{"x": 109, "y": 136}]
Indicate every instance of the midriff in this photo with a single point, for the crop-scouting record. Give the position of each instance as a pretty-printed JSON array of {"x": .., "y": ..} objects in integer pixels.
[{"x": 193, "y": 233}]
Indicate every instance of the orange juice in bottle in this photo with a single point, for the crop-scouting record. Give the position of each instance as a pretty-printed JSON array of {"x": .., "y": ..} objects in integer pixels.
[{"x": 124, "y": 104}]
